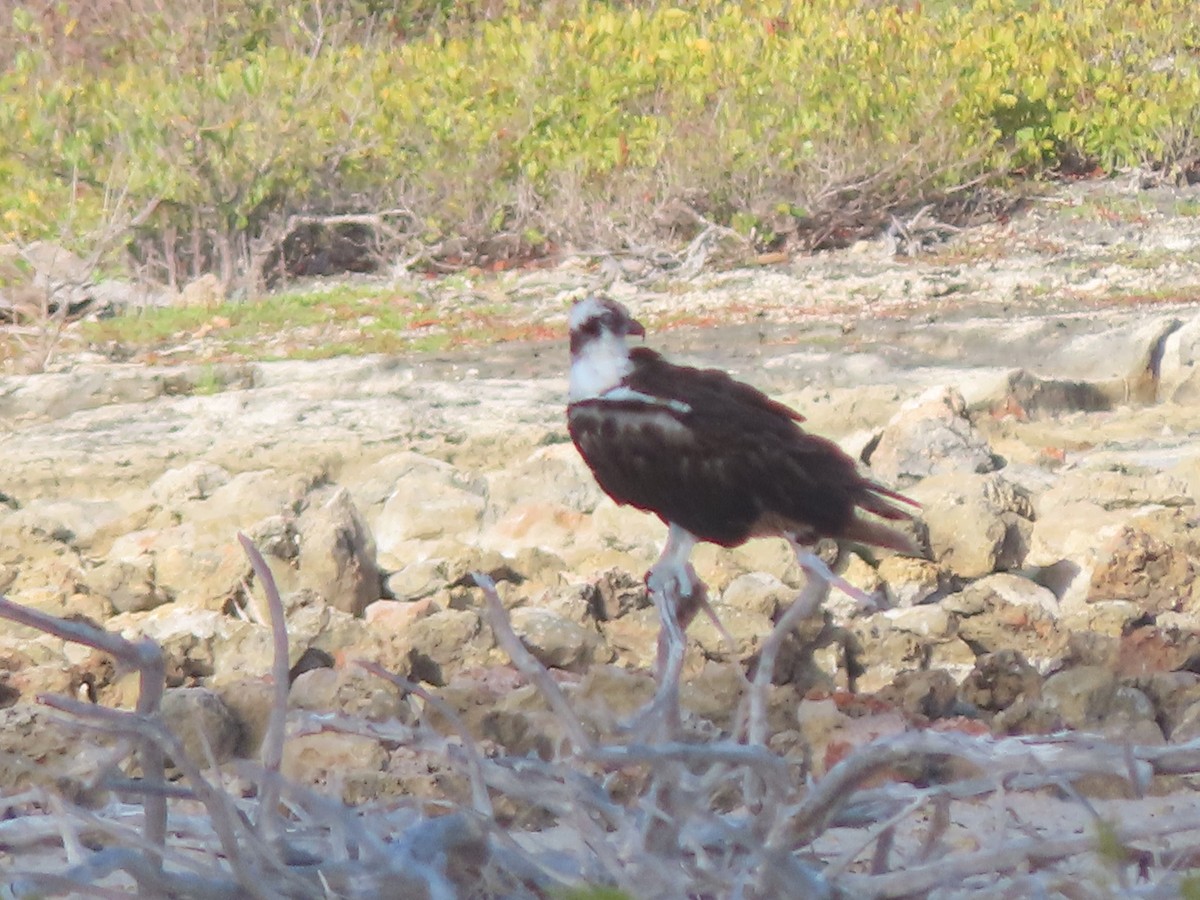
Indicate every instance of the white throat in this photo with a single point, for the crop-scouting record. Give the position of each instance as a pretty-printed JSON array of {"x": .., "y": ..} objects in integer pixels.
[{"x": 600, "y": 366}]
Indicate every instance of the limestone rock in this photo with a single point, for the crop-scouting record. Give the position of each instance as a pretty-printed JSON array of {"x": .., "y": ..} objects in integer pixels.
[
  {"x": 930, "y": 621},
  {"x": 555, "y": 641},
  {"x": 877, "y": 652},
  {"x": 250, "y": 701},
  {"x": 995, "y": 615},
  {"x": 1091, "y": 698},
  {"x": 930, "y": 435},
  {"x": 1007, "y": 587},
  {"x": 351, "y": 691},
  {"x": 821, "y": 724},
  {"x": 327, "y": 761},
  {"x": 275, "y": 537},
  {"x": 443, "y": 641},
  {"x": 202, "y": 723},
  {"x": 38, "y": 749},
  {"x": 554, "y": 475},
  {"x": 634, "y": 636},
  {"x": 196, "y": 480},
  {"x": 747, "y": 627},
  {"x": 977, "y": 524},
  {"x": 187, "y": 635},
  {"x": 770, "y": 557},
  {"x": 999, "y": 680},
  {"x": 714, "y": 694},
  {"x": 613, "y": 594},
  {"x": 541, "y": 526},
  {"x": 1179, "y": 368},
  {"x": 337, "y": 553},
  {"x": 430, "y": 499},
  {"x": 923, "y": 694},
  {"x": 953, "y": 655},
  {"x": 247, "y": 498},
  {"x": 608, "y": 693},
  {"x": 1027, "y": 395},
  {"x": 418, "y": 579},
  {"x": 1125, "y": 360},
  {"x": 127, "y": 577},
  {"x": 908, "y": 581},
  {"x": 1175, "y": 696},
  {"x": 425, "y": 577},
  {"x": 1147, "y": 650},
  {"x": 475, "y": 694},
  {"x": 395, "y": 616},
  {"x": 1114, "y": 489},
  {"x": 628, "y": 529},
  {"x": 207, "y": 292},
  {"x": 315, "y": 626},
  {"x": 759, "y": 593},
  {"x": 81, "y": 524},
  {"x": 862, "y": 575},
  {"x": 192, "y": 555},
  {"x": 1159, "y": 576},
  {"x": 194, "y": 568},
  {"x": 1187, "y": 728},
  {"x": 36, "y": 669},
  {"x": 1142, "y": 556}
]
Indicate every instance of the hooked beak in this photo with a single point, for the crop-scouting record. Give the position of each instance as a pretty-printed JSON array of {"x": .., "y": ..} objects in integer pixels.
[{"x": 635, "y": 327}]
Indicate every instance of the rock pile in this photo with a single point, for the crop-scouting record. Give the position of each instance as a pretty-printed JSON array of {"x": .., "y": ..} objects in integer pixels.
[{"x": 1060, "y": 587}]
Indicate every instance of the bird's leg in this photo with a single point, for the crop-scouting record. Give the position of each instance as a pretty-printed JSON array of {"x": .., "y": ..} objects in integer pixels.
[
  {"x": 815, "y": 567},
  {"x": 673, "y": 574},
  {"x": 677, "y": 593},
  {"x": 803, "y": 607}
]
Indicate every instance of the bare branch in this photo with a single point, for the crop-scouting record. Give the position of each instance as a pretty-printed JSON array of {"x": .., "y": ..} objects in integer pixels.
[
  {"x": 479, "y": 795},
  {"x": 528, "y": 665},
  {"x": 919, "y": 880},
  {"x": 272, "y": 745},
  {"x": 146, "y": 658}
]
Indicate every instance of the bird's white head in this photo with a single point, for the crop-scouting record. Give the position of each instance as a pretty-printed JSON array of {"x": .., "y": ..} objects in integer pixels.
[{"x": 599, "y": 351}]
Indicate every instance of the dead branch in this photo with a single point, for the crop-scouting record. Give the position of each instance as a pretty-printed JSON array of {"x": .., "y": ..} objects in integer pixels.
[
  {"x": 479, "y": 796},
  {"x": 146, "y": 658},
  {"x": 528, "y": 665},
  {"x": 918, "y": 880},
  {"x": 272, "y": 745},
  {"x": 1050, "y": 760}
]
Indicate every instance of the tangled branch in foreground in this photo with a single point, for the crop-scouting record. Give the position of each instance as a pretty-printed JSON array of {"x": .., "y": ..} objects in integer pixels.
[{"x": 915, "y": 815}]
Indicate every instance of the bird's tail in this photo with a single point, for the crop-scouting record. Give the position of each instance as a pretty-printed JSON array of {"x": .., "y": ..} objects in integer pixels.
[
  {"x": 876, "y": 499},
  {"x": 879, "y": 501},
  {"x": 877, "y": 534}
]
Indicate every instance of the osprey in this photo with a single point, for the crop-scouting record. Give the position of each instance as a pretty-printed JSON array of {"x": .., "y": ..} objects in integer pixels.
[{"x": 715, "y": 459}]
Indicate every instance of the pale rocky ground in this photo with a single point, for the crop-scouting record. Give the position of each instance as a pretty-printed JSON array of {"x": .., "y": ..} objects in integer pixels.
[{"x": 1034, "y": 384}]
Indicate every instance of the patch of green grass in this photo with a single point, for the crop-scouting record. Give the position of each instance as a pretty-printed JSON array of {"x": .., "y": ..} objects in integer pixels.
[
  {"x": 1160, "y": 296},
  {"x": 594, "y": 893},
  {"x": 1114, "y": 210},
  {"x": 208, "y": 382},
  {"x": 344, "y": 320},
  {"x": 1144, "y": 260}
]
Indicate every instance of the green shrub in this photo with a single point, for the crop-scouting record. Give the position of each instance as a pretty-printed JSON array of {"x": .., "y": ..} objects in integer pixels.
[{"x": 574, "y": 122}]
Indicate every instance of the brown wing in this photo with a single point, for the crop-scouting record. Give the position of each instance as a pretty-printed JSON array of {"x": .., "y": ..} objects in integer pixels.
[
  {"x": 654, "y": 458},
  {"x": 655, "y": 376},
  {"x": 718, "y": 458}
]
